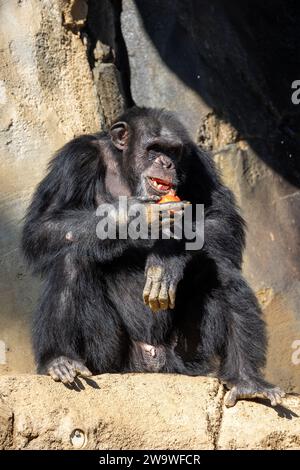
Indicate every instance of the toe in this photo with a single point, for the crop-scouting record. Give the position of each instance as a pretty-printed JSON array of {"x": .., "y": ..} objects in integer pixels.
[
  {"x": 275, "y": 395},
  {"x": 278, "y": 398},
  {"x": 82, "y": 370},
  {"x": 272, "y": 399},
  {"x": 53, "y": 374},
  {"x": 272, "y": 396},
  {"x": 279, "y": 392},
  {"x": 231, "y": 398}
]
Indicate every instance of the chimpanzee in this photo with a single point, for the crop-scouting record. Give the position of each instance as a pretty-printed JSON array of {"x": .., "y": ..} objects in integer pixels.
[{"x": 121, "y": 305}]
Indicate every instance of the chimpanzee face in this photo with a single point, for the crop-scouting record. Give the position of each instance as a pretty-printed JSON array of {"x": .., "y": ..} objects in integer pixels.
[
  {"x": 150, "y": 157},
  {"x": 160, "y": 175}
]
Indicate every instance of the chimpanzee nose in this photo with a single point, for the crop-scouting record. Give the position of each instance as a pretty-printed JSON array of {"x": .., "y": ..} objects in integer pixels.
[{"x": 165, "y": 162}]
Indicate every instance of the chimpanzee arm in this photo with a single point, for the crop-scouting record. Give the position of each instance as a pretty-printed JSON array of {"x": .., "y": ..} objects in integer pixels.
[
  {"x": 224, "y": 228},
  {"x": 67, "y": 231},
  {"x": 62, "y": 216}
]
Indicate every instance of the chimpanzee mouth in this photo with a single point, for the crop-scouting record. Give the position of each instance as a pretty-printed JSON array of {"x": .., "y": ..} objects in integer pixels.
[{"x": 159, "y": 185}]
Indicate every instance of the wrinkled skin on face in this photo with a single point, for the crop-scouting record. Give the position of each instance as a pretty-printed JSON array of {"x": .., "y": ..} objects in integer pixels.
[{"x": 152, "y": 157}]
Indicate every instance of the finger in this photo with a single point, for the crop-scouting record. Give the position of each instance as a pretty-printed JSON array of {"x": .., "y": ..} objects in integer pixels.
[
  {"x": 148, "y": 198},
  {"x": 172, "y": 295},
  {"x": 171, "y": 214},
  {"x": 156, "y": 273},
  {"x": 53, "y": 374},
  {"x": 153, "y": 297},
  {"x": 84, "y": 371},
  {"x": 170, "y": 219},
  {"x": 171, "y": 206},
  {"x": 147, "y": 290},
  {"x": 70, "y": 366},
  {"x": 167, "y": 232},
  {"x": 65, "y": 375},
  {"x": 231, "y": 398},
  {"x": 81, "y": 369},
  {"x": 166, "y": 225},
  {"x": 172, "y": 225},
  {"x": 57, "y": 371},
  {"x": 163, "y": 297},
  {"x": 152, "y": 213}
]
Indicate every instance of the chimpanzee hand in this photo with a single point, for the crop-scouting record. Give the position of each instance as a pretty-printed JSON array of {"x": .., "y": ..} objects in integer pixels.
[
  {"x": 162, "y": 278},
  {"x": 161, "y": 216},
  {"x": 65, "y": 370}
]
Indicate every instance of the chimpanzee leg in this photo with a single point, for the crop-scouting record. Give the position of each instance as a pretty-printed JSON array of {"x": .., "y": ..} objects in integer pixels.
[
  {"x": 244, "y": 343},
  {"x": 75, "y": 332},
  {"x": 223, "y": 334}
]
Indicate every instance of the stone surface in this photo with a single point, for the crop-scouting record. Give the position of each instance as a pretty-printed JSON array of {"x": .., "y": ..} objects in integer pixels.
[
  {"x": 108, "y": 58},
  {"x": 153, "y": 83},
  {"x": 6, "y": 426},
  {"x": 124, "y": 412},
  {"x": 139, "y": 411},
  {"x": 250, "y": 425},
  {"x": 107, "y": 80}
]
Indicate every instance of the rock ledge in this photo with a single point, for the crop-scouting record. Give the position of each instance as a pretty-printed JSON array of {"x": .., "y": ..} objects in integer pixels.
[{"x": 139, "y": 411}]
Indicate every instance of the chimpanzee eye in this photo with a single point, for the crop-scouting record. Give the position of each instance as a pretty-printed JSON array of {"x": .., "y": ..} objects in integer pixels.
[
  {"x": 152, "y": 155},
  {"x": 169, "y": 150},
  {"x": 157, "y": 149}
]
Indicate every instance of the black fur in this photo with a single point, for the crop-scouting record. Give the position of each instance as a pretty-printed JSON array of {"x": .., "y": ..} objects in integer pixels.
[{"x": 91, "y": 306}]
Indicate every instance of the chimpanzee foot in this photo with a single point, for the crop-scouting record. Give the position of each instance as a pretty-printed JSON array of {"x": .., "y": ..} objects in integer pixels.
[
  {"x": 65, "y": 370},
  {"x": 253, "y": 390}
]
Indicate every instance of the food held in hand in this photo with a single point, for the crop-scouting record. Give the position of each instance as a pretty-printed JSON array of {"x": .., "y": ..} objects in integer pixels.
[{"x": 170, "y": 197}]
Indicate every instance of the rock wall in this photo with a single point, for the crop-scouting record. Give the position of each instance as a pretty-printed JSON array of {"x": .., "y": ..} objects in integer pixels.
[
  {"x": 70, "y": 66},
  {"x": 149, "y": 412}
]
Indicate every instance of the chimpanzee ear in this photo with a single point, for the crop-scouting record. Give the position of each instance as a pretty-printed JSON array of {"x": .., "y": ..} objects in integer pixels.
[{"x": 119, "y": 135}]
